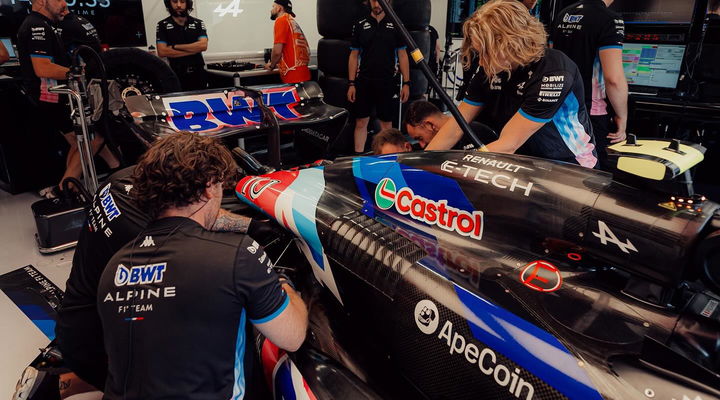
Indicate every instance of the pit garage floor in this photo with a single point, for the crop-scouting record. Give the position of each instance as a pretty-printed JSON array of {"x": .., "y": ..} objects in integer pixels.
[{"x": 20, "y": 339}]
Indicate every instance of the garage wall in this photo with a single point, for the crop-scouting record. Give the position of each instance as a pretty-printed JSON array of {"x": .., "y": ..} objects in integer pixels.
[
  {"x": 438, "y": 19},
  {"x": 246, "y": 27},
  {"x": 236, "y": 26}
]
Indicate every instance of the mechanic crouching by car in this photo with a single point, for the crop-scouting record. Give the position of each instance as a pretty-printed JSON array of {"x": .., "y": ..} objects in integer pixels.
[
  {"x": 531, "y": 94},
  {"x": 182, "y": 38},
  {"x": 175, "y": 301},
  {"x": 114, "y": 219}
]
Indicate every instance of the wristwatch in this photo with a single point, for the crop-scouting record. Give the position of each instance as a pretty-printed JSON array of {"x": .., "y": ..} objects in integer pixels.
[
  {"x": 407, "y": 83},
  {"x": 351, "y": 83},
  {"x": 172, "y": 47}
]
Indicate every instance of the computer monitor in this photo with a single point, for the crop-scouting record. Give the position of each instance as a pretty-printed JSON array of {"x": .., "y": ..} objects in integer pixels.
[
  {"x": 655, "y": 11},
  {"x": 8, "y": 46},
  {"x": 653, "y": 65}
]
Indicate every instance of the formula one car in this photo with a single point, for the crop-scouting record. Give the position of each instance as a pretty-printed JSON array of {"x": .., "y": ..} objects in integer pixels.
[{"x": 459, "y": 275}]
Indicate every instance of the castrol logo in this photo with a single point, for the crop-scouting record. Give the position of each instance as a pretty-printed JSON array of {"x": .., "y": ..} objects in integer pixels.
[{"x": 406, "y": 202}]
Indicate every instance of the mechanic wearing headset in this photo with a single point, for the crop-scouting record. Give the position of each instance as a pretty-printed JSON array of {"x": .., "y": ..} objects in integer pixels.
[
  {"x": 182, "y": 38},
  {"x": 174, "y": 301},
  {"x": 592, "y": 36},
  {"x": 534, "y": 94},
  {"x": 114, "y": 219},
  {"x": 43, "y": 62},
  {"x": 378, "y": 42}
]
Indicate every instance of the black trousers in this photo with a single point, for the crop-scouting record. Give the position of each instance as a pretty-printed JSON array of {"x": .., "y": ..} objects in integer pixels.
[
  {"x": 192, "y": 78},
  {"x": 602, "y": 126}
]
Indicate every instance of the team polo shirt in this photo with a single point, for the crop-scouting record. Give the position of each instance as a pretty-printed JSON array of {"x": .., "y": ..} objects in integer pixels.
[
  {"x": 549, "y": 91},
  {"x": 295, "y": 58},
  {"x": 174, "y": 306},
  {"x": 38, "y": 38},
  {"x": 582, "y": 31},
  {"x": 76, "y": 31},
  {"x": 378, "y": 43},
  {"x": 170, "y": 32},
  {"x": 113, "y": 220}
]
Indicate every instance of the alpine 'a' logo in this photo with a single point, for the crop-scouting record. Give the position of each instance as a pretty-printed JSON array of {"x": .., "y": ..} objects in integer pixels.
[
  {"x": 429, "y": 211},
  {"x": 385, "y": 194}
]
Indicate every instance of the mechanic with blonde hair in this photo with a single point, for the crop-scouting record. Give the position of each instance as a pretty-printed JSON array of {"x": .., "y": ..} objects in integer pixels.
[{"x": 531, "y": 94}]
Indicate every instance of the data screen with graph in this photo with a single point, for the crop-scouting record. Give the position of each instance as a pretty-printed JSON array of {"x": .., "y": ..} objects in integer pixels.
[{"x": 653, "y": 65}]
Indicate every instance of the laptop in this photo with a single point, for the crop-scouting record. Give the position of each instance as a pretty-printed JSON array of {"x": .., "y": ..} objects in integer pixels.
[{"x": 11, "y": 51}]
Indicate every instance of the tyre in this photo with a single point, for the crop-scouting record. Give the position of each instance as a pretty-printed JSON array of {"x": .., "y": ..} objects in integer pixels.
[
  {"x": 422, "y": 40},
  {"x": 136, "y": 68},
  {"x": 335, "y": 91},
  {"x": 333, "y": 57},
  {"x": 414, "y": 14},
  {"x": 335, "y": 18}
]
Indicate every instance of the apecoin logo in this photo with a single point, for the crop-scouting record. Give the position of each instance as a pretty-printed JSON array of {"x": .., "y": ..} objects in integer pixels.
[{"x": 427, "y": 317}]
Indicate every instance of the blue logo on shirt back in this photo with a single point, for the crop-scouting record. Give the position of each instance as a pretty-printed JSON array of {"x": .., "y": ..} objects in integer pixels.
[{"x": 142, "y": 274}]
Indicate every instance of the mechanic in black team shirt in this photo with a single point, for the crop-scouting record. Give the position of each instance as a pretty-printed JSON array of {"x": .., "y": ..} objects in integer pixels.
[
  {"x": 174, "y": 302},
  {"x": 77, "y": 31},
  {"x": 44, "y": 62},
  {"x": 182, "y": 38},
  {"x": 592, "y": 35},
  {"x": 375, "y": 51},
  {"x": 532, "y": 95},
  {"x": 114, "y": 219}
]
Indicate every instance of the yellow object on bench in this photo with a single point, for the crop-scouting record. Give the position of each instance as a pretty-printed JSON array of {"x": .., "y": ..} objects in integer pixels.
[{"x": 655, "y": 159}]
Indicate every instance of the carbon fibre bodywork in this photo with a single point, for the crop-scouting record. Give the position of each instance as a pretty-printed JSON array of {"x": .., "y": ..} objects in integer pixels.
[{"x": 480, "y": 275}]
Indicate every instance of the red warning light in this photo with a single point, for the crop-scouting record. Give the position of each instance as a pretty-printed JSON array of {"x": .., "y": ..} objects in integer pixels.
[{"x": 574, "y": 256}]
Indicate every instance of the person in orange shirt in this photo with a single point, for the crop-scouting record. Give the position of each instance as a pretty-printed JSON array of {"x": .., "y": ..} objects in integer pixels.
[{"x": 291, "y": 52}]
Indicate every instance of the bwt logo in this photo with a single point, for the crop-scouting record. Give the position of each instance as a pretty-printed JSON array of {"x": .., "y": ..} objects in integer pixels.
[
  {"x": 108, "y": 203},
  {"x": 140, "y": 275},
  {"x": 572, "y": 19},
  {"x": 210, "y": 112}
]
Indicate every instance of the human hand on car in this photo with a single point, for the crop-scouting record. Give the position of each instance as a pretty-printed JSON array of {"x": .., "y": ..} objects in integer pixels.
[{"x": 619, "y": 135}]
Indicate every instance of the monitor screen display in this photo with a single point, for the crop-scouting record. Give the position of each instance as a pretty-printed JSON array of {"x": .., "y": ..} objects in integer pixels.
[
  {"x": 8, "y": 46},
  {"x": 458, "y": 12},
  {"x": 119, "y": 23},
  {"x": 654, "y": 65},
  {"x": 655, "y": 11}
]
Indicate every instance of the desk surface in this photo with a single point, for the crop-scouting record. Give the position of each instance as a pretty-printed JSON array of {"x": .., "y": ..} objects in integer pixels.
[
  {"x": 249, "y": 73},
  {"x": 673, "y": 102}
]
